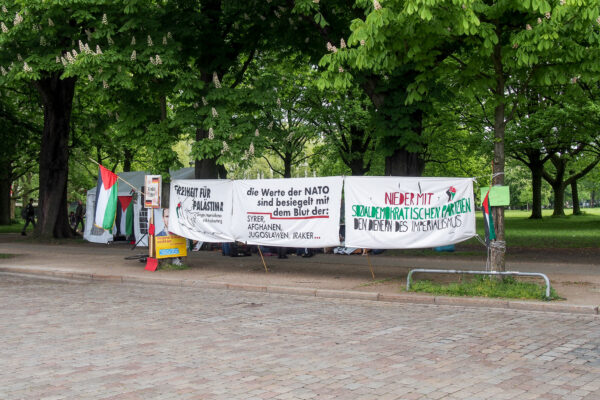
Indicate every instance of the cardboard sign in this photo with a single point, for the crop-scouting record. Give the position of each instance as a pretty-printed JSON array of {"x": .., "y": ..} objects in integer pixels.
[
  {"x": 151, "y": 264},
  {"x": 499, "y": 195},
  {"x": 167, "y": 244},
  {"x": 170, "y": 246},
  {"x": 152, "y": 186}
]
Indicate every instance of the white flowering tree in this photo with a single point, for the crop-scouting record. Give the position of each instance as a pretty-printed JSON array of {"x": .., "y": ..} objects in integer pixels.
[
  {"x": 41, "y": 42},
  {"x": 491, "y": 51},
  {"x": 219, "y": 41}
]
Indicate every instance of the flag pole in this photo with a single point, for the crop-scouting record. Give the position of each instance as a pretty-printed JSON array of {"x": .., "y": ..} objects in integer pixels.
[{"x": 133, "y": 187}]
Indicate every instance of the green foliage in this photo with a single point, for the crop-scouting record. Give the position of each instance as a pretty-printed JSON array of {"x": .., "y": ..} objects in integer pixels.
[
  {"x": 481, "y": 286},
  {"x": 167, "y": 266},
  {"x": 518, "y": 178},
  {"x": 238, "y": 81}
]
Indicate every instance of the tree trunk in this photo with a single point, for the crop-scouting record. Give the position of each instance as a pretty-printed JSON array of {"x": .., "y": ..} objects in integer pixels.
[
  {"x": 575, "y": 197},
  {"x": 498, "y": 248},
  {"x": 13, "y": 205},
  {"x": 536, "y": 187},
  {"x": 221, "y": 171},
  {"x": 57, "y": 99},
  {"x": 354, "y": 150},
  {"x": 206, "y": 168},
  {"x": 558, "y": 187},
  {"x": 287, "y": 165},
  {"x": 559, "y": 199},
  {"x": 357, "y": 167},
  {"x": 5, "y": 183},
  {"x": 404, "y": 163},
  {"x": 127, "y": 159}
]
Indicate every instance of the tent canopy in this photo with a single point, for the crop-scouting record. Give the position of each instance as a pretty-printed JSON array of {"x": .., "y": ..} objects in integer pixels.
[
  {"x": 183, "y": 173},
  {"x": 136, "y": 178}
]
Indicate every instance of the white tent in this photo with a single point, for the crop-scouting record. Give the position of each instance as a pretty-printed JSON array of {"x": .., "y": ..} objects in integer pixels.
[
  {"x": 140, "y": 219},
  {"x": 183, "y": 173}
]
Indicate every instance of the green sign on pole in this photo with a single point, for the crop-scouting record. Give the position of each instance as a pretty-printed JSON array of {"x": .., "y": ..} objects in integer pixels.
[{"x": 499, "y": 195}]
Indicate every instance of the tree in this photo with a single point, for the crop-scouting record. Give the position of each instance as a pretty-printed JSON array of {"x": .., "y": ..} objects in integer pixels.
[
  {"x": 218, "y": 42},
  {"x": 564, "y": 177},
  {"x": 555, "y": 124},
  {"x": 492, "y": 50},
  {"x": 40, "y": 41},
  {"x": 19, "y": 127}
]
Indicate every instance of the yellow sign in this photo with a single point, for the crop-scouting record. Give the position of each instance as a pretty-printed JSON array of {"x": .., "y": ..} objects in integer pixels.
[{"x": 170, "y": 246}]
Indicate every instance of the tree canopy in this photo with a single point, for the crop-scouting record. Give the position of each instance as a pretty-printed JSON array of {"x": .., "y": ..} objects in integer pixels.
[{"x": 395, "y": 87}]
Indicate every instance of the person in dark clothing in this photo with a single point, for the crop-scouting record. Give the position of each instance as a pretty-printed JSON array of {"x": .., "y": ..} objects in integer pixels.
[
  {"x": 29, "y": 215},
  {"x": 282, "y": 252},
  {"x": 79, "y": 212}
]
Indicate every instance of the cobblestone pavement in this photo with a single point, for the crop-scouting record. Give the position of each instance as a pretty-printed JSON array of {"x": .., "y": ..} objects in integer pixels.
[{"x": 89, "y": 340}]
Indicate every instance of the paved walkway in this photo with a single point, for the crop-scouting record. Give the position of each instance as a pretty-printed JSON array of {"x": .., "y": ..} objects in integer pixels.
[
  {"x": 98, "y": 340},
  {"x": 321, "y": 275}
]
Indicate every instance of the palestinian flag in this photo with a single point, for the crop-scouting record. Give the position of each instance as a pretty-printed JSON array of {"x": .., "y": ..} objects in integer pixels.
[
  {"x": 488, "y": 221},
  {"x": 451, "y": 192},
  {"x": 106, "y": 199},
  {"x": 125, "y": 215}
]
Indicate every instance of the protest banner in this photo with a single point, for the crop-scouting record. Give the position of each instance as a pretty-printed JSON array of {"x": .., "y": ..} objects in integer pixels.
[
  {"x": 294, "y": 212},
  {"x": 201, "y": 209},
  {"x": 408, "y": 213}
]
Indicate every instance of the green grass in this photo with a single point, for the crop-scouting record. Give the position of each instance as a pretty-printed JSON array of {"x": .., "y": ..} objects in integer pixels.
[
  {"x": 571, "y": 231},
  {"x": 378, "y": 281},
  {"x": 431, "y": 252},
  {"x": 4, "y": 255},
  {"x": 486, "y": 287},
  {"x": 173, "y": 267},
  {"x": 14, "y": 228}
]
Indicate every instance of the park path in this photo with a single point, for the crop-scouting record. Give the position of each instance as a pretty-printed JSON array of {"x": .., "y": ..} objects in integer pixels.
[{"x": 578, "y": 281}]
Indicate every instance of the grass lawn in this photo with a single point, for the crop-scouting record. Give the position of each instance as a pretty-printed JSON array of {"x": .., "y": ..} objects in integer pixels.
[
  {"x": 486, "y": 287},
  {"x": 14, "y": 228},
  {"x": 570, "y": 231}
]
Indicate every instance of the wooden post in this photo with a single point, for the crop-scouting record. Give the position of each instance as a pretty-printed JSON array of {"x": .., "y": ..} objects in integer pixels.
[
  {"x": 370, "y": 266},
  {"x": 151, "y": 237},
  {"x": 263, "y": 259}
]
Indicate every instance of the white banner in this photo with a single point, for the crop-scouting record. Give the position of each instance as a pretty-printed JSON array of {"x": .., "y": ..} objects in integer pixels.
[
  {"x": 294, "y": 212},
  {"x": 408, "y": 213},
  {"x": 201, "y": 209}
]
